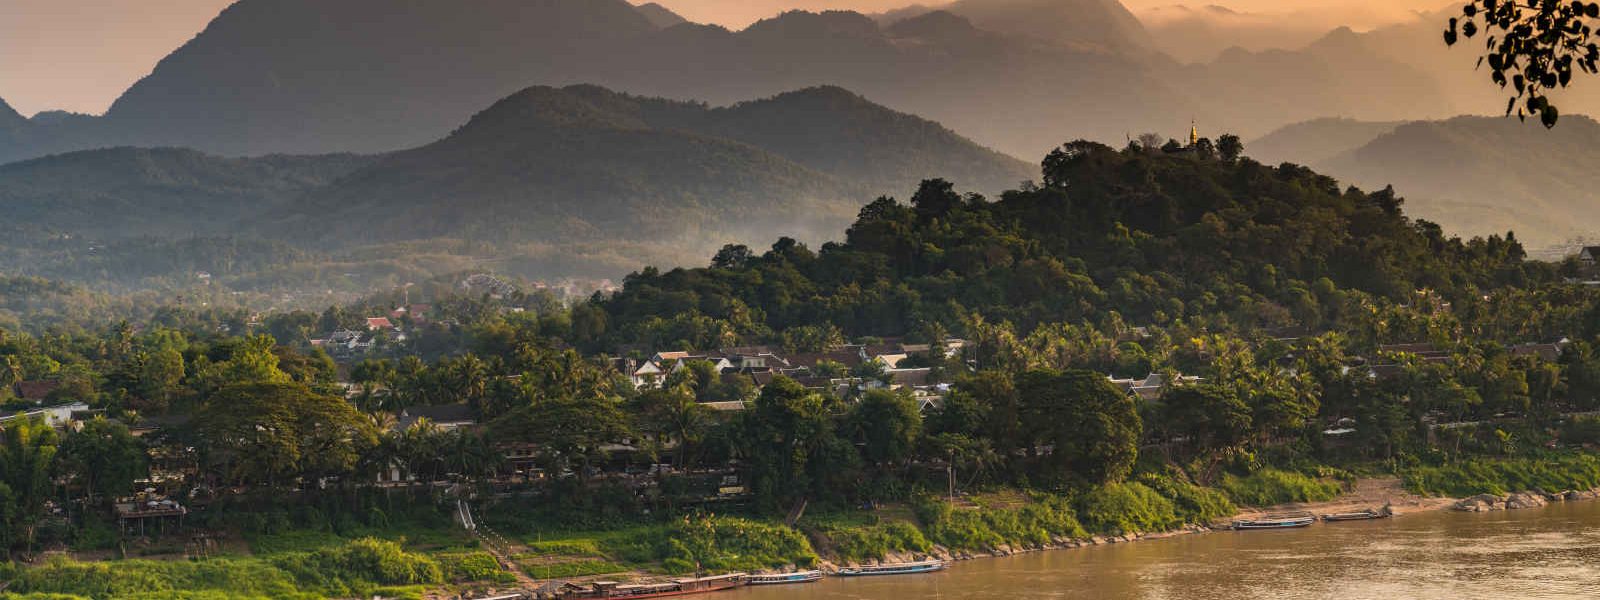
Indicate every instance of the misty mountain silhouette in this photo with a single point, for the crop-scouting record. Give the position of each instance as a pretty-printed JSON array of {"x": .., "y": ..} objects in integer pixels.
[
  {"x": 9, "y": 118},
  {"x": 670, "y": 179},
  {"x": 1085, "y": 23},
  {"x": 660, "y": 16},
  {"x": 1453, "y": 171},
  {"x": 584, "y": 162},
  {"x": 304, "y": 76}
]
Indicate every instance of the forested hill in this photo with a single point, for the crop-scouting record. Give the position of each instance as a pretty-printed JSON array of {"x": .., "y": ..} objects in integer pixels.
[
  {"x": 1155, "y": 238},
  {"x": 565, "y": 165},
  {"x": 584, "y": 162},
  {"x": 128, "y": 192}
]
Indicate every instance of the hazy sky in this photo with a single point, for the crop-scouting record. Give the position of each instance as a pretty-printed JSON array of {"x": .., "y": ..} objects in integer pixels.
[{"x": 79, "y": 55}]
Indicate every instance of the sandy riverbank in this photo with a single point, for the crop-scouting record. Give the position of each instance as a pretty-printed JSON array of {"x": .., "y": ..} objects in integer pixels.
[{"x": 1364, "y": 494}]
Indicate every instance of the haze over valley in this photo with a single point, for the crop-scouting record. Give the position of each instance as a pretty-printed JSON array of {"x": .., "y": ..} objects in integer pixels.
[
  {"x": 595, "y": 299},
  {"x": 327, "y": 134}
]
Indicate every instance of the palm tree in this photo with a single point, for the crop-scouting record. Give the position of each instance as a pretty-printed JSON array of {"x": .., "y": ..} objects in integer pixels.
[
  {"x": 470, "y": 376},
  {"x": 10, "y": 373}
]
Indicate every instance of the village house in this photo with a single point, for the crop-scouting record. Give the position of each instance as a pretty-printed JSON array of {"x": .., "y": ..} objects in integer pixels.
[
  {"x": 1152, "y": 386},
  {"x": 59, "y": 416},
  {"x": 1546, "y": 351},
  {"x": 345, "y": 342},
  {"x": 446, "y": 417},
  {"x": 1589, "y": 256}
]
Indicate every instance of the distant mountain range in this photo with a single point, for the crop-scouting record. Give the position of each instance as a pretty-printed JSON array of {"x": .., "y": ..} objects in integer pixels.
[
  {"x": 1473, "y": 175},
  {"x": 1317, "y": 141},
  {"x": 1022, "y": 76},
  {"x": 1096, "y": 25},
  {"x": 9, "y": 119},
  {"x": 661, "y": 16},
  {"x": 656, "y": 181}
]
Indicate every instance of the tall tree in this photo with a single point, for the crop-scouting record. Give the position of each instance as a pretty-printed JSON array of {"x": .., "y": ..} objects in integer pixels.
[
  {"x": 1210, "y": 419},
  {"x": 783, "y": 437},
  {"x": 569, "y": 431},
  {"x": 1091, "y": 428},
  {"x": 1229, "y": 147},
  {"x": 274, "y": 434},
  {"x": 104, "y": 458},
  {"x": 673, "y": 415},
  {"x": 28, "y": 449},
  {"x": 888, "y": 425}
]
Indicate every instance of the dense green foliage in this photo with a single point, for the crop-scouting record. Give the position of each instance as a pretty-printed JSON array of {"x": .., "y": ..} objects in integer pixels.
[
  {"x": 1033, "y": 524},
  {"x": 721, "y": 544},
  {"x": 1272, "y": 486},
  {"x": 1127, "y": 508},
  {"x": 853, "y": 540},
  {"x": 360, "y": 568},
  {"x": 134, "y": 192},
  {"x": 1155, "y": 239},
  {"x": 1502, "y": 476}
]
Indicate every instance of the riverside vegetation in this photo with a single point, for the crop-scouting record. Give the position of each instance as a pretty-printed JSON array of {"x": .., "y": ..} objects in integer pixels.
[{"x": 1278, "y": 289}]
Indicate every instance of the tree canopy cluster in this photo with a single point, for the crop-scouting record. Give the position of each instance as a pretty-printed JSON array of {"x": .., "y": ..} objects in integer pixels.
[{"x": 1158, "y": 239}]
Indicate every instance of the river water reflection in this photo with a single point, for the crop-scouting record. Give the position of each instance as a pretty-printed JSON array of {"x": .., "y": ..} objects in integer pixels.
[{"x": 1551, "y": 553}]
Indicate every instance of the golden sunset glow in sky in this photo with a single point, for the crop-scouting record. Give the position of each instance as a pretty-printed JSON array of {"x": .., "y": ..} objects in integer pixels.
[{"x": 79, "y": 55}]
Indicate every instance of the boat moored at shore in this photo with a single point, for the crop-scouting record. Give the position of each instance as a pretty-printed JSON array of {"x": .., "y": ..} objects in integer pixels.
[
  {"x": 910, "y": 568},
  {"x": 680, "y": 587},
  {"x": 1360, "y": 515},
  {"x": 785, "y": 578},
  {"x": 1283, "y": 521}
]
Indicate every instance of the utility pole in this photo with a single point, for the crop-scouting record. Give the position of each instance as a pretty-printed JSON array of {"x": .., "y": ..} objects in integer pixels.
[{"x": 950, "y": 471}]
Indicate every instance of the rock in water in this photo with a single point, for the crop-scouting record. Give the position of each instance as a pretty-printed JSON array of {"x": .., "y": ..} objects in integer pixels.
[
  {"x": 1524, "y": 500},
  {"x": 1481, "y": 503}
]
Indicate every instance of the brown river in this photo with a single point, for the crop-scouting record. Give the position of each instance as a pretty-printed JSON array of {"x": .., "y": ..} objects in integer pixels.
[{"x": 1550, "y": 553}]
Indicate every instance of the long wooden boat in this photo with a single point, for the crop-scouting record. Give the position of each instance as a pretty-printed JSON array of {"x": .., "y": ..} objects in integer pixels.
[
  {"x": 926, "y": 566},
  {"x": 1364, "y": 515},
  {"x": 786, "y": 578},
  {"x": 679, "y": 587},
  {"x": 1287, "y": 521}
]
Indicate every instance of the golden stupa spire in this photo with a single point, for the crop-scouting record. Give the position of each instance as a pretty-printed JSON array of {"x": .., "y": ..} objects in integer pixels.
[{"x": 1194, "y": 134}]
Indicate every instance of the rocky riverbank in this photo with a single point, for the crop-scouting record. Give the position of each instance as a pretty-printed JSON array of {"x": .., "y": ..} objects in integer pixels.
[
  {"x": 1005, "y": 550},
  {"x": 1375, "y": 494},
  {"x": 1522, "y": 500}
]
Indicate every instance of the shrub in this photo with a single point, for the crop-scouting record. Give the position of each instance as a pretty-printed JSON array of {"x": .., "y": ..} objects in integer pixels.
[
  {"x": 1124, "y": 508},
  {"x": 218, "y": 578},
  {"x": 1032, "y": 525},
  {"x": 1271, "y": 486},
  {"x": 1472, "y": 477},
  {"x": 714, "y": 543},
  {"x": 874, "y": 542},
  {"x": 380, "y": 561},
  {"x": 1194, "y": 504}
]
